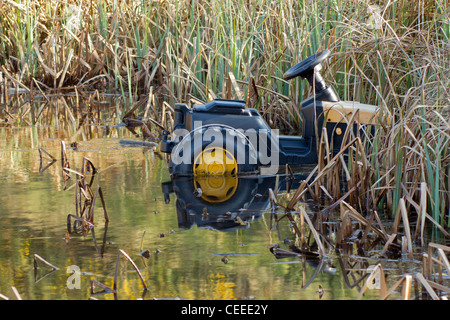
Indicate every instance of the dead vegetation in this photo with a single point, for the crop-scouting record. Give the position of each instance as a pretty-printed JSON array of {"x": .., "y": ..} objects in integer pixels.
[
  {"x": 82, "y": 222},
  {"x": 356, "y": 240},
  {"x": 352, "y": 219}
]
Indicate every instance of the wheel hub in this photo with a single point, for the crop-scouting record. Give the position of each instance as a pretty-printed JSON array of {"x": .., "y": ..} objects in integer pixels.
[
  {"x": 216, "y": 189},
  {"x": 215, "y": 161}
]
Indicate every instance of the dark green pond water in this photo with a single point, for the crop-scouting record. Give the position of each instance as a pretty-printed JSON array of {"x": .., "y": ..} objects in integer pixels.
[{"x": 221, "y": 252}]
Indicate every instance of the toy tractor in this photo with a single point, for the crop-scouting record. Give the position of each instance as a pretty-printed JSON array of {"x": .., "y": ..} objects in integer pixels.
[{"x": 224, "y": 137}]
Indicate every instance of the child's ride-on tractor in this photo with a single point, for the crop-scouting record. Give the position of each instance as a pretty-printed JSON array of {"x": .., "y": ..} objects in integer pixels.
[{"x": 224, "y": 137}]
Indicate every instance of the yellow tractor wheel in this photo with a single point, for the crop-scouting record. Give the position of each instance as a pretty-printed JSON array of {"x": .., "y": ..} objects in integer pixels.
[{"x": 215, "y": 161}]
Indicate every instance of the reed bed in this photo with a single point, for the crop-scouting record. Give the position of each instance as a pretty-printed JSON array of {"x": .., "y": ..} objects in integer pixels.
[
  {"x": 355, "y": 241},
  {"x": 393, "y": 54},
  {"x": 153, "y": 54}
]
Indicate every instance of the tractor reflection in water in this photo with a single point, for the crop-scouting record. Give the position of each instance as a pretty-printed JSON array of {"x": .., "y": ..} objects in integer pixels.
[
  {"x": 227, "y": 203},
  {"x": 222, "y": 202}
]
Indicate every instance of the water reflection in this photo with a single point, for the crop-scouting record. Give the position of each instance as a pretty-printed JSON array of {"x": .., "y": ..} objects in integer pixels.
[
  {"x": 228, "y": 203},
  {"x": 223, "y": 203}
]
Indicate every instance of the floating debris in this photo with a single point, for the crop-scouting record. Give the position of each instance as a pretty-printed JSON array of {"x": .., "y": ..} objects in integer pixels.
[
  {"x": 282, "y": 253},
  {"x": 106, "y": 289},
  {"x": 67, "y": 237},
  {"x": 320, "y": 291},
  {"x": 146, "y": 253}
]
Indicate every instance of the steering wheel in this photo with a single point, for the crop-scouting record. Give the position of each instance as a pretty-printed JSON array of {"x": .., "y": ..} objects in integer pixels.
[{"x": 305, "y": 68}]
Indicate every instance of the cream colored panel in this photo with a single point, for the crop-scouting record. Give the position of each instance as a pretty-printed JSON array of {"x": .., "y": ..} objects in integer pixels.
[{"x": 343, "y": 111}]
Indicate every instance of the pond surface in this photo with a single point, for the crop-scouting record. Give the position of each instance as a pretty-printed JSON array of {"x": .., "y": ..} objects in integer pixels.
[{"x": 197, "y": 251}]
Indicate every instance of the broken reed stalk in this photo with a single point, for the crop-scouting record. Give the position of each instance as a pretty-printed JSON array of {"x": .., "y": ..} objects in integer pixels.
[
  {"x": 41, "y": 150},
  {"x": 13, "y": 292},
  {"x": 377, "y": 271},
  {"x": 442, "y": 260},
  {"x": 426, "y": 285},
  {"x": 430, "y": 281},
  {"x": 273, "y": 199},
  {"x": 316, "y": 235},
  {"x": 303, "y": 217},
  {"x": 121, "y": 252},
  {"x": 422, "y": 213},
  {"x": 85, "y": 224},
  {"x": 406, "y": 281},
  {"x": 86, "y": 164},
  {"x": 73, "y": 171},
  {"x": 64, "y": 164},
  {"x": 390, "y": 239},
  {"x": 84, "y": 212},
  {"x": 105, "y": 287},
  {"x": 378, "y": 274},
  {"x": 115, "y": 285},
  {"x": 90, "y": 216},
  {"x": 403, "y": 215},
  {"x": 358, "y": 217},
  {"x": 405, "y": 219},
  {"x": 37, "y": 257},
  {"x": 299, "y": 192},
  {"x": 88, "y": 209},
  {"x": 41, "y": 158}
]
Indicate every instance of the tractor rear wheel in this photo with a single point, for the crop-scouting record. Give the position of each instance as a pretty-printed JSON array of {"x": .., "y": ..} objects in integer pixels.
[{"x": 214, "y": 150}]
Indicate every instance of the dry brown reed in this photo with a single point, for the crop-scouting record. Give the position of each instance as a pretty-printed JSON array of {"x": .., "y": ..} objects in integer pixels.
[
  {"x": 432, "y": 289},
  {"x": 376, "y": 180},
  {"x": 85, "y": 198},
  {"x": 41, "y": 160},
  {"x": 351, "y": 232},
  {"x": 37, "y": 258},
  {"x": 85, "y": 201},
  {"x": 13, "y": 292},
  {"x": 114, "y": 290}
]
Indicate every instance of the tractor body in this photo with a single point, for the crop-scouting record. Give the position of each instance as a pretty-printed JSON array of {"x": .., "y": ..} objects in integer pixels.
[{"x": 263, "y": 147}]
